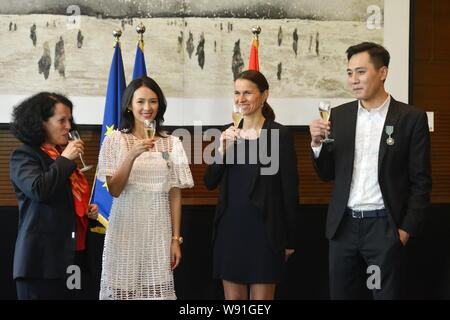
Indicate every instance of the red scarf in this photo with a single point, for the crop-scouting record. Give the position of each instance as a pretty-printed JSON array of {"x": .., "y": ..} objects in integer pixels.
[{"x": 80, "y": 192}]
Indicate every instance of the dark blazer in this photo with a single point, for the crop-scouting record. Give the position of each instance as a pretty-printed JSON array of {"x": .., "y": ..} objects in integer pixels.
[
  {"x": 45, "y": 245},
  {"x": 276, "y": 195},
  {"x": 404, "y": 168}
]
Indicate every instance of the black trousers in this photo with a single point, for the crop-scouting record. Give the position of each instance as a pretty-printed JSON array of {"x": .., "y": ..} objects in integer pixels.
[
  {"x": 362, "y": 243},
  {"x": 41, "y": 289},
  {"x": 55, "y": 289}
]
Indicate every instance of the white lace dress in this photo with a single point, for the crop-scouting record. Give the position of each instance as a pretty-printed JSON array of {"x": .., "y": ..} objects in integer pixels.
[{"x": 136, "y": 254}]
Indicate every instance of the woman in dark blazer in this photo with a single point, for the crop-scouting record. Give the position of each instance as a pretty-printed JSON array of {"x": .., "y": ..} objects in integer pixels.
[
  {"x": 52, "y": 195},
  {"x": 254, "y": 223}
]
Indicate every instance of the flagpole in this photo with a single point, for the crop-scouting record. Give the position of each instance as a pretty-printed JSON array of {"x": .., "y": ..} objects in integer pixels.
[
  {"x": 140, "y": 29},
  {"x": 111, "y": 120},
  {"x": 117, "y": 33},
  {"x": 253, "y": 63},
  {"x": 256, "y": 30},
  {"x": 140, "y": 68}
]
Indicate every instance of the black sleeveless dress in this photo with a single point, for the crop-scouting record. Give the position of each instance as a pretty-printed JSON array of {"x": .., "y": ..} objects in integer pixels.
[{"x": 241, "y": 250}]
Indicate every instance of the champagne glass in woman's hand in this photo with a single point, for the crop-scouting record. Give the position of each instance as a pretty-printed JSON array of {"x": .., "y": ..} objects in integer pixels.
[
  {"x": 74, "y": 135},
  {"x": 149, "y": 129},
  {"x": 237, "y": 116}
]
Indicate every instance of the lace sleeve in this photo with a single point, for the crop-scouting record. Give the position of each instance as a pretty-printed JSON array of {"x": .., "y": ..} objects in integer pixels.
[
  {"x": 180, "y": 173},
  {"x": 108, "y": 157}
]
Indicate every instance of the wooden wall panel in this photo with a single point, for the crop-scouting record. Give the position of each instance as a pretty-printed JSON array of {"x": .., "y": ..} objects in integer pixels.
[
  {"x": 7, "y": 143},
  {"x": 431, "y": 92},
  {"x": 311, "y": 190},
  {"x": 431, "y": 87},
  {"x": 422, "y": 38},
  {"x": 441, "y": 30}
]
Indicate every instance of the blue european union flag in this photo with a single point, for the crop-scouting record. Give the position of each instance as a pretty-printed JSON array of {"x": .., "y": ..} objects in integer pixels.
[
  {"x": 139, "y": 62},
  {"x": 111, "y": 121}
]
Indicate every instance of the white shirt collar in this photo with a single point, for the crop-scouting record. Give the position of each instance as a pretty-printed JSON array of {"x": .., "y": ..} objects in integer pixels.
[{"x": 382, "y": 109}]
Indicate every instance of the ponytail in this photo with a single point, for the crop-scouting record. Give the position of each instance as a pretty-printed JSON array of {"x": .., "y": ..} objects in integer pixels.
[{"x": 267, "y": 112}]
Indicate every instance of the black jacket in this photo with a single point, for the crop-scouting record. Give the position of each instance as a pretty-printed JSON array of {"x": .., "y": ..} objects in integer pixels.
[
  {"x": 276, "y": 195},
  {"x": 45, "y": 244},
  {"x": 404, "y": 168}
]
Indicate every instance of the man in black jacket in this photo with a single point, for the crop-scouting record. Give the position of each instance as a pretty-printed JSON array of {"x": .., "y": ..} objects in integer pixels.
[{"x": 380, "y": 162}]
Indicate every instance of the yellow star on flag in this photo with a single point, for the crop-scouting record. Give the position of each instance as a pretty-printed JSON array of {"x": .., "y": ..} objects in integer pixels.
[
  {"x": 109, "y": 129},
  {"x": 105, "y": 185}
]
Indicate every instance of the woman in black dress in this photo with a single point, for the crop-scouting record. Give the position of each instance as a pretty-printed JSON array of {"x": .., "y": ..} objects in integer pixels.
[{"x": 254, "y": 223}]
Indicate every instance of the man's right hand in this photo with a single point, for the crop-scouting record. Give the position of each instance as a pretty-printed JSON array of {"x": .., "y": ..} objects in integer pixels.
[{"x": 317, "y": 130}]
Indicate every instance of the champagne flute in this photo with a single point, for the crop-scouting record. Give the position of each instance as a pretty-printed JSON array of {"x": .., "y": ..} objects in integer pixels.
[
  {"x": 325, "y": 112},
  {"x": 237, "y": 116},
  {"x": 74, "y": 135},
  {"x": 149, "y": 128}
]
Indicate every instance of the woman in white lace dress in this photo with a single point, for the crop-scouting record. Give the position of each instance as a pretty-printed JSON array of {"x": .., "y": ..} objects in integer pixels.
[{"x": 142, "y": 243}]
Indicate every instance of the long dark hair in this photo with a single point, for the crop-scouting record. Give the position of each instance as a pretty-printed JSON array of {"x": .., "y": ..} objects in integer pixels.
[
  {"x": 127, "y": 117},
  {"x": 29, "y": 115},
  {"x": 261, "y": 82}
]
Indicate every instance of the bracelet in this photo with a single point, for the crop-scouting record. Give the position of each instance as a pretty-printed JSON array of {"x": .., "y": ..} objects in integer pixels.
[{"x": 178, "y": 238}]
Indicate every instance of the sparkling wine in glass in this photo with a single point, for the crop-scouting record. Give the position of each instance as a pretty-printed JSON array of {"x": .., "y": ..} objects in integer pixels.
[
  {"x": 149, "y": 128},
  {"x": 325, "y": 112},
  {"x": 74, "y": 135},
  {"x": 237, "y": 116}
]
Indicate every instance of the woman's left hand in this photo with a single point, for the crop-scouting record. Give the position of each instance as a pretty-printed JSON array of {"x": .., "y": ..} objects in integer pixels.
[
  {"x": 288, "y": 253},
  {"x": 92, "y": 212},
  {"x": 175, "y": 254}
]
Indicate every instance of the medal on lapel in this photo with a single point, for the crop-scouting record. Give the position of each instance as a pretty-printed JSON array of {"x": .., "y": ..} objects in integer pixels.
[{"x": 390, "y": 130}]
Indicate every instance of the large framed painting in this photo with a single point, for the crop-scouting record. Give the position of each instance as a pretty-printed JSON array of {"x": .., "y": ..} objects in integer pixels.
[{"x": 194, "y": 49}]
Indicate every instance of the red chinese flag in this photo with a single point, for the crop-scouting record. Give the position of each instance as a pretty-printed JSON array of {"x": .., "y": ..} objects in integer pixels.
[{"x": 253, "y": 63}]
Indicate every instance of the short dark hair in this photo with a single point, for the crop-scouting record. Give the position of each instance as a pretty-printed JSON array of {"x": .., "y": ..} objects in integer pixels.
[
  {"x": 379, "y": 56},
  {"x": 127, "y": 118},
  {"x": 29, "y": 115},
  {"x": 261, "y": 82}
]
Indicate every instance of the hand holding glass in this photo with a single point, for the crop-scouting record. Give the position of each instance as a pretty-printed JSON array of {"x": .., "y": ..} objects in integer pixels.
[
  {"x": 325, "y": 112},
  {"x": 74, "y": 135}
]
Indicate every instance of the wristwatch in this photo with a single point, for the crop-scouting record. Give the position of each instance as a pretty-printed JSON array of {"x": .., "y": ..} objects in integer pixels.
[{"x": 178, "y": 238}]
